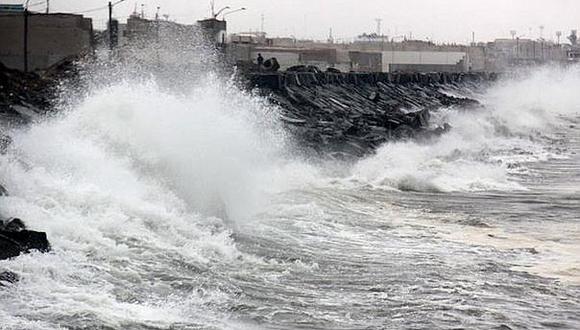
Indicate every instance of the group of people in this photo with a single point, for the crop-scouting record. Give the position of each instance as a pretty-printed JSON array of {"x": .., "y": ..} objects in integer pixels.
[{"x": 270, "y": 65}]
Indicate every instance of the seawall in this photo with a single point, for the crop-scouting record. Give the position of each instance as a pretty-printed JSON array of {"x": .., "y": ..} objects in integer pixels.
[
  {"x": 280, "y": 80},
  {"x": 345, "y": 115}
]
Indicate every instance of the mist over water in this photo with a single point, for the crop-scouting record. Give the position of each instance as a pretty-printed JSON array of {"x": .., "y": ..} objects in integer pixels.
[{"x": 190, "y": 207}]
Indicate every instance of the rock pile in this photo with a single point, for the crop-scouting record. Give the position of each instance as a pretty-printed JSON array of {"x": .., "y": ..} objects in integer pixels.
[
  {"x": 16, "y": 239},
  {"x": 23, "y": 95},
  {"x": 347, "y": 115}
]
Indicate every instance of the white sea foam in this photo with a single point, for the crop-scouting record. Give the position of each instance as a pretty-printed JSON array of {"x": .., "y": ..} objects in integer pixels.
[
  {"x": 129, "y": 182},
  {"x": 485, "y": 145},
  {"x": 134, "y": 184}
]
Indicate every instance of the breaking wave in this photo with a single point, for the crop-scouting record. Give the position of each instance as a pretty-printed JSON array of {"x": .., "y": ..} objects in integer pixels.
[
  {"x": 487, "y": 145},
  {"x": 140, "y": 190},
  {"x": 134, "y": 184}
]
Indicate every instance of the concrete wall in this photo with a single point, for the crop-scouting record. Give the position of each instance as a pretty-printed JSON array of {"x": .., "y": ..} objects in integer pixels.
[
  {"x": 366, "y": 61},
  {"x": 361, "y": 61},
  {"x": 51, "y": 38},
  {"x": 476, "y": 58},
  {"x": 160, "y": 42},
  {"x": 425, "y": 68},
  {"x": 286, "y": 59},
  {"x": 422, "y": 60},
  {"x": 214, "y": 30}
]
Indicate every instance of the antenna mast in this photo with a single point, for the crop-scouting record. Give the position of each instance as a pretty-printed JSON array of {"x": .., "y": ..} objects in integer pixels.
[{"x": 262, "y": 23}]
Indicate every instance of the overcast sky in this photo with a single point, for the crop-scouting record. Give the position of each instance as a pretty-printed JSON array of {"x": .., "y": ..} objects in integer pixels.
[{"x": 438, "y": 20}]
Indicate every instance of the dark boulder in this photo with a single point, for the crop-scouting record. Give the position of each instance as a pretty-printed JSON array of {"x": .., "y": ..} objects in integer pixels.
[
  {"x": 13, "y": 225},
  {"x": 16, "y": 239},
  {"x": 7, "y": 278},
  {"x": 5, "y": 142},
  {"x": 297, "y": 68},
  {"x": 271, "y": 65},
  {"x": 352, "y": 114}
]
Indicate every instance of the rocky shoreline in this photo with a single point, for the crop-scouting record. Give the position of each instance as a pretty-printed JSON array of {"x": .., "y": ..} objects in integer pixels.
[
  {"x": 346, "y": 115},
  {"x": 331, "y": 114},
  {"x": 23, "y": 97}
]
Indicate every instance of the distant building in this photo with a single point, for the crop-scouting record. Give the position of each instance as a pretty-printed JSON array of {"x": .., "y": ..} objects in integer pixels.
[
  {"x": 369, "y": 53},
  {"x": 214, "y": 30},
  {"x": 139, "y": 29},
  {"x": 51, "y": 38},
  {"x": 424, "y": 61},
  {"x": 255, "y": 38},
  {"x": 503, "y": 54}
]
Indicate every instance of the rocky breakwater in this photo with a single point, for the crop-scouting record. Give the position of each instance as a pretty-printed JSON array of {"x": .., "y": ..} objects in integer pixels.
[
  {"x": 23, "y": 97},
  {"x": 16, "y": 239},
  {"x": 346, "y": 115}
]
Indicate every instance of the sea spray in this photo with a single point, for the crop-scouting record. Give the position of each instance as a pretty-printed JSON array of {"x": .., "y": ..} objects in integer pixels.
[
  {"x": 515, "y": 126},
  {"x": 140, "y": 188}
]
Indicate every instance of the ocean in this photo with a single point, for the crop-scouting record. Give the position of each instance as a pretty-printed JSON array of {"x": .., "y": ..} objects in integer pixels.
[{"x": 195, "y": 209}]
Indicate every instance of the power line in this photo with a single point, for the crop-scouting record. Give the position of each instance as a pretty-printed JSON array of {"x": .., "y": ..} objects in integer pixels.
[
  {"x": 100, "y": 8},
  {"x": 91, "y": 10}
]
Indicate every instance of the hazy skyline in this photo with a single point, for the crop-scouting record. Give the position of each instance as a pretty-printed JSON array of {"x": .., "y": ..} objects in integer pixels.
[{"x": 438, "y": 20}]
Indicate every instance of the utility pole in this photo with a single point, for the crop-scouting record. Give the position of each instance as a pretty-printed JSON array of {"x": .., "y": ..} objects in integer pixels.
[
  {"x": 110, "y": 25},
  {"x": 47, "y": 6},
  {"x": 379, "y": 21},
  {"x": 157, "y": 26},
  {"x": 330, "y": 37},
  {"x": 262, "y": 23},
  {"x": 26, "y": 39}
]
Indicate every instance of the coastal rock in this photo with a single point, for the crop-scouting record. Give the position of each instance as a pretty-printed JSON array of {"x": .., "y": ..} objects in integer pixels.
[
  {"x": 23, "y": 96},
  {"x": 5, "y": 142},
  {"x": 7, "y": 277},
  {"x": 351, "y": 114},
  {"x": 16, "y": 239}
]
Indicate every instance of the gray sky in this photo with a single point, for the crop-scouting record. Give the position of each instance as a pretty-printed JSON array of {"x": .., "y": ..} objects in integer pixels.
[{"x": 439, "y": 20}]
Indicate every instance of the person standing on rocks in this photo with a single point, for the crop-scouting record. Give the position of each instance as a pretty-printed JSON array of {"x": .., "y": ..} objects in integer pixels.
[{"x": 260, "y": 61}]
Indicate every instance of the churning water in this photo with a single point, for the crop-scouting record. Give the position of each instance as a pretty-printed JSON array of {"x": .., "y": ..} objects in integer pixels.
[{"x": 192, "y": 210}]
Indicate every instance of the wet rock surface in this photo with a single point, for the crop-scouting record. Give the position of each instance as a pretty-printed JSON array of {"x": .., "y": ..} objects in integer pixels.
[
  {"x": 26, "y": 95},
  {"x": 16, "y": 239},
  {"x": 8, "y": 277},
  {"x": 23, "y": 97},
  {"x": 345, "y": 115}
]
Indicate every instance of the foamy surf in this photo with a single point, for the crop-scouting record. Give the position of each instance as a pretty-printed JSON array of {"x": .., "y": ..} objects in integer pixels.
[{"x": 192, "y": 209}]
